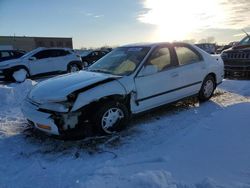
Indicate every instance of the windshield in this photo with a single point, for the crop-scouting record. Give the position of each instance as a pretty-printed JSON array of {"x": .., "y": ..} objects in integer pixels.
[
  {"x": 245, "y": 41},
  {"x": 121, "y": 61},
  {"x": 28, "y": 54},
  {"x": 31, "y": 52}
]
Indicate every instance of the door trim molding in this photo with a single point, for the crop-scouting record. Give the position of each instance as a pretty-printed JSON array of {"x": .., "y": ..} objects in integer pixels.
[{"x": 169, "y": 91}]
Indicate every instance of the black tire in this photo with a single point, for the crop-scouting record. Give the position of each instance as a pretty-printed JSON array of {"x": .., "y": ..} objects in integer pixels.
[
  {"x": 73, "y": 67},
  {"x": 207, "y": 88},
  {"x": 103, "y": 113}
]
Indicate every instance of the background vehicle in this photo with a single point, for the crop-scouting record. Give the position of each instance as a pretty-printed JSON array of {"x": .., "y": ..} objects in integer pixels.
[
  {"x": 129, "y": 80},
  {"x": 237, "y": 59},
  {"x": 40, "y": 62},
  {"x": 222, "y": 48},
  {"x": 10, "y": 54},
  {"x": 92, "y": 56},
  {"x": 207, "y": 47}
]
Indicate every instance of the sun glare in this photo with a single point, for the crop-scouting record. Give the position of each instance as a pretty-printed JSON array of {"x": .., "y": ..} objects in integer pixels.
[{"x": 175, "y": 19}]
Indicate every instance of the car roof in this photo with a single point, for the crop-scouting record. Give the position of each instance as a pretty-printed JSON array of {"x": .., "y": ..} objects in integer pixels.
[
  {"x": 53, "y": 48},
  {"x": 12, "y": 51},
  {"x": 152, "y": 44}
]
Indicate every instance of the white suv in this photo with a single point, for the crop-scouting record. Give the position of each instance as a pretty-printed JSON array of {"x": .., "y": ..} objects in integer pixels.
[
  {"x": 129, "y": 80},
  {"x": 40, "y": 62}
]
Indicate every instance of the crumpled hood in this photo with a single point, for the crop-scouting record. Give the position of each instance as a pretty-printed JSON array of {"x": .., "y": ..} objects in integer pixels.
[{"x": 57, "y": 89}]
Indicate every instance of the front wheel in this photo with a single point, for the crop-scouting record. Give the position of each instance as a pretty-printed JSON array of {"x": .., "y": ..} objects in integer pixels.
[
  {"x": 207, "y": 88},
  {"x": 111, "y": 117}
]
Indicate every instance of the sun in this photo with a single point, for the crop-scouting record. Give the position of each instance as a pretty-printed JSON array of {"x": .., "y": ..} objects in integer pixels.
[{"x": 176, "y": 19}]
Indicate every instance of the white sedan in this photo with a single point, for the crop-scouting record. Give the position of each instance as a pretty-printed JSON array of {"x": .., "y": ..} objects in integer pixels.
[{"x": 129, "y": 80}]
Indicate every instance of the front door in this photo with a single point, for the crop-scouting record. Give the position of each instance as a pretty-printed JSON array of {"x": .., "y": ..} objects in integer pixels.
[
  {"x": 158, "y": 85},
  {"x": 42, "y": 63}
]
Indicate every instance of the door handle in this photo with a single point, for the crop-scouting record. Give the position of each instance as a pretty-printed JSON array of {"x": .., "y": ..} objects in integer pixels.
[{"x": 174, "y": 74}]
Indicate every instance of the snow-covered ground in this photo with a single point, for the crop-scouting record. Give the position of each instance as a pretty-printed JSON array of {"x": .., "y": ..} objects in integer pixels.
[{"x": 184, "y": 145}]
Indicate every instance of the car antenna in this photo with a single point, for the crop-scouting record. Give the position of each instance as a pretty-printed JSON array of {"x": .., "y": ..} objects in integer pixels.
[{"x": 246, "y": 33}]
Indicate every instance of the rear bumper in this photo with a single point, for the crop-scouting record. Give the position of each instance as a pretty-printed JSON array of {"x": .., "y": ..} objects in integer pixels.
[{"x": 40, "y": 120}]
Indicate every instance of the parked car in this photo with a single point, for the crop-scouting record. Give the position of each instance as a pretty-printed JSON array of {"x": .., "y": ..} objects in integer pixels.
[
  {"x": 10, "y": 54},
  {"x": 225, "y": 47},
  {"x": 129, "y": 80},
  {"x": 237, "y": 59},
  {"x": 92, "y": 56},
  {"x": 39, "y": 62},
  {"x": 207, "y": 47}
]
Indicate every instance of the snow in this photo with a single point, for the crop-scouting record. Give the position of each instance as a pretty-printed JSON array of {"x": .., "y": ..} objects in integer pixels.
[
  {"x": 20, "y": 75},
  {"x": 14, "y": 93},
  {"x": 184, "y": 145},
  {"x": 237, "y": 86}
]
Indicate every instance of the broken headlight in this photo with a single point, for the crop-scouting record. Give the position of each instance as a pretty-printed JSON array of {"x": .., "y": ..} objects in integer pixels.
[{"x": 60, "y": 106}]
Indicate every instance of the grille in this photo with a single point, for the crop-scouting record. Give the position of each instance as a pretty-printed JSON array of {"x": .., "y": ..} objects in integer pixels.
[{"x": 239, "y": 55}]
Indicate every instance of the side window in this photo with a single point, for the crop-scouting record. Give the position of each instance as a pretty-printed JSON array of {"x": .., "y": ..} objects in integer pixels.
[
  {"x": 5, "y": 54},
  {"x": 186, "y": 55},
  {"x": 160, "y": 58},
  {"x": 18, "y": 54},
  {"x": 42, "y": 54},
  {"x": 55, "y": 53},
  {"x": 50, "y": 53},
  {"x": 64, "y": 52}
]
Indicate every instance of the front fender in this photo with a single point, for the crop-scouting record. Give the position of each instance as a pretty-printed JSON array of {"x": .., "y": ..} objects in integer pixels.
[{"x": 98, "y": 92}]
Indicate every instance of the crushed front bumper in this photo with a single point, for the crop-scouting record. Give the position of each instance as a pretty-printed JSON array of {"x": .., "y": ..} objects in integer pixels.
[{"x": 40, "y": 120}]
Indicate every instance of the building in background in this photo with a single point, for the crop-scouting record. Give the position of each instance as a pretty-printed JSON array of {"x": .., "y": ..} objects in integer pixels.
[{"x": 30, "y": 43}]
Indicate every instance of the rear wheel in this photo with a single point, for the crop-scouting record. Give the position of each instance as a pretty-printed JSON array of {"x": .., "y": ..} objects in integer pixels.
[
  {"x": 207, "y": 88},
  {"x": 73, "y": 68},
  {"x": 111, "y": 117},
  {"x": 85, "y": 63}
]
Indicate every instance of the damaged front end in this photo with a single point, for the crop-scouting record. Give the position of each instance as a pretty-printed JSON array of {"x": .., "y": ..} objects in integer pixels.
[{"x": 55, "y": 117}]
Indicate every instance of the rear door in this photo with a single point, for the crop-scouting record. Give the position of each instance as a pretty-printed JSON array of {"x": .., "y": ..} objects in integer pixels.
[
  {"x": 60, "y": 59},
  {"x": 191, "y": 68},
  {"x": 157, "y": 88}
]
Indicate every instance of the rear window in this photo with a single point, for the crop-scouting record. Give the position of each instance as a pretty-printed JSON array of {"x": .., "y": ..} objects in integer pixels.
[{"x": 186, "y": 55}]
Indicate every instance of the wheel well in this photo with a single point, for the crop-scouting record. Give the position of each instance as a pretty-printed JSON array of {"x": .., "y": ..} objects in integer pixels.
[
  {"x": 13, "y": 69},
  {"x": 214, "y": 76},
  {"x": 119, "y": 98}
]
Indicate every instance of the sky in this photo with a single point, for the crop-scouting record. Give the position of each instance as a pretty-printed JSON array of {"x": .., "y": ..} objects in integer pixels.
[{"x": 95, "y": 23}]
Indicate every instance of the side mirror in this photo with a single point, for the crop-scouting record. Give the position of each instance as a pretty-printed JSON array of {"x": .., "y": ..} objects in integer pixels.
[
  {"x": 32, "y": 58},
  {"x": 148, "y": 70}
]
